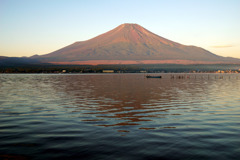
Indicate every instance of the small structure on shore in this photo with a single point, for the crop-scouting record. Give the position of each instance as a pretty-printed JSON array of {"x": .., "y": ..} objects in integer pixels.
[{"x": 108, "y": 71}]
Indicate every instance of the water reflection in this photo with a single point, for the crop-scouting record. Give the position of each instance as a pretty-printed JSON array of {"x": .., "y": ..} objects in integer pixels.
[
  {"x": 79, "y": 116},
  {"x": 131, "y": 100},
  {"x": 119, "y": 100}
]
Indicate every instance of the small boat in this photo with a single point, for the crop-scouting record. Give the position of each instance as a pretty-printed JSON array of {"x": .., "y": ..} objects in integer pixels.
[{"x": 153, "y": 76}]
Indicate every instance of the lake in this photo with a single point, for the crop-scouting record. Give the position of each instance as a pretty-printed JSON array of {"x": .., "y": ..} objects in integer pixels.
[{"x": 120, "y": 116}]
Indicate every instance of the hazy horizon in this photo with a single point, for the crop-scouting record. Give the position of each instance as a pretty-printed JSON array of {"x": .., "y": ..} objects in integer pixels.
[{"x": 41, "y": 27}]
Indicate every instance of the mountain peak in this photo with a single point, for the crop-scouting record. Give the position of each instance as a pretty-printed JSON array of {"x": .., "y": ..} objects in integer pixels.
[
  {"x": 129, "y": 25},
  {"x": 131, "y": 33},
  {"x": 133, "y": 27},
  {"x": 129, "y": 41}
]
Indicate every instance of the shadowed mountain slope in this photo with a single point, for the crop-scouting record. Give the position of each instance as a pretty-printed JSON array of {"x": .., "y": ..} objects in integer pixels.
[
  {"x": 17, "y": 61},
  {"x": 130, "y": 42}
]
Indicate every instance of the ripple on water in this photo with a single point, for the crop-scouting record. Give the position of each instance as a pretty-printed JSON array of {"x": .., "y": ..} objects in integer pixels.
[{"x": 119, "y": 116}]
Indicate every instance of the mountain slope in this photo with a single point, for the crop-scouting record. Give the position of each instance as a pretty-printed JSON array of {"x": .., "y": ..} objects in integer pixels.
[
  {"x": 17, "y": 61},
  {"x": 129, "y": 42}
]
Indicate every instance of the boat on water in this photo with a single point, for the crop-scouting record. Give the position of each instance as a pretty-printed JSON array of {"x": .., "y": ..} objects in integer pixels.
[{"x": 153, "y": 76}]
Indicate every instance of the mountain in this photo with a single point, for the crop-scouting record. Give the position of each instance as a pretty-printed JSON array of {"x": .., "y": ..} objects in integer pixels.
[
  {"x": 17, "y": 61},
  {"x": 131, "y": 43}
]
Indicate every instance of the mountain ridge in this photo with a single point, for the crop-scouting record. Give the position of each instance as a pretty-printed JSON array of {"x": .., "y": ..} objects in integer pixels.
[{"x": 130, "y": 42}]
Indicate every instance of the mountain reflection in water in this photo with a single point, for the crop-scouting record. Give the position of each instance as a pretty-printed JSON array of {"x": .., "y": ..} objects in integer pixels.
[
  {"x": 119, "y": 116},
  {"x": 125, "y": 100}
]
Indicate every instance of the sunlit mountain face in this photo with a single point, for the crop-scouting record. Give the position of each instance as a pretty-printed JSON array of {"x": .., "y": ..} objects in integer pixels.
[{"x": 131, "y": 44}]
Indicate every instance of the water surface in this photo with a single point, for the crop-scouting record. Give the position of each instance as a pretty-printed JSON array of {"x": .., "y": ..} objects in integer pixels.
[{"x": 119, "y": 116}]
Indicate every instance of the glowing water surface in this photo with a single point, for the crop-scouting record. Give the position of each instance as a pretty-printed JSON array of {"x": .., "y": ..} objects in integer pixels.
[{"x": 119, "y": 116}]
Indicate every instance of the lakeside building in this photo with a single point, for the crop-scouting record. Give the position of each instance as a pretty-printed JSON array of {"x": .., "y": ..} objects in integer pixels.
[
  {"x": 228, "y": 71},
  {"x": 108, "y": 71}
]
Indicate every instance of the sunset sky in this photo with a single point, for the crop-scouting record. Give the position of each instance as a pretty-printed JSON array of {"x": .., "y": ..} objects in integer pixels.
[{"x": 29, "y": 27}]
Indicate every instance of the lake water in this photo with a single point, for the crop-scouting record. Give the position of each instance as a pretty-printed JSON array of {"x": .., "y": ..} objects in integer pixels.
[{"x": 119, "y": 116}]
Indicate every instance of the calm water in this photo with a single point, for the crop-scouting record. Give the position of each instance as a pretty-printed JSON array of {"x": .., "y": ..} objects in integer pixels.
[{"x": 119, "y": 116}]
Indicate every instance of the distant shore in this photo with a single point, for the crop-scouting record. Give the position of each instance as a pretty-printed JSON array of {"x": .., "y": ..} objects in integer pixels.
[{"x": 123, "y": 68}]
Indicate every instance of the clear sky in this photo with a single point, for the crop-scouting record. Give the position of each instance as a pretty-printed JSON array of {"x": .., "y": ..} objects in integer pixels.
[{"x": 29, "y": 27}]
